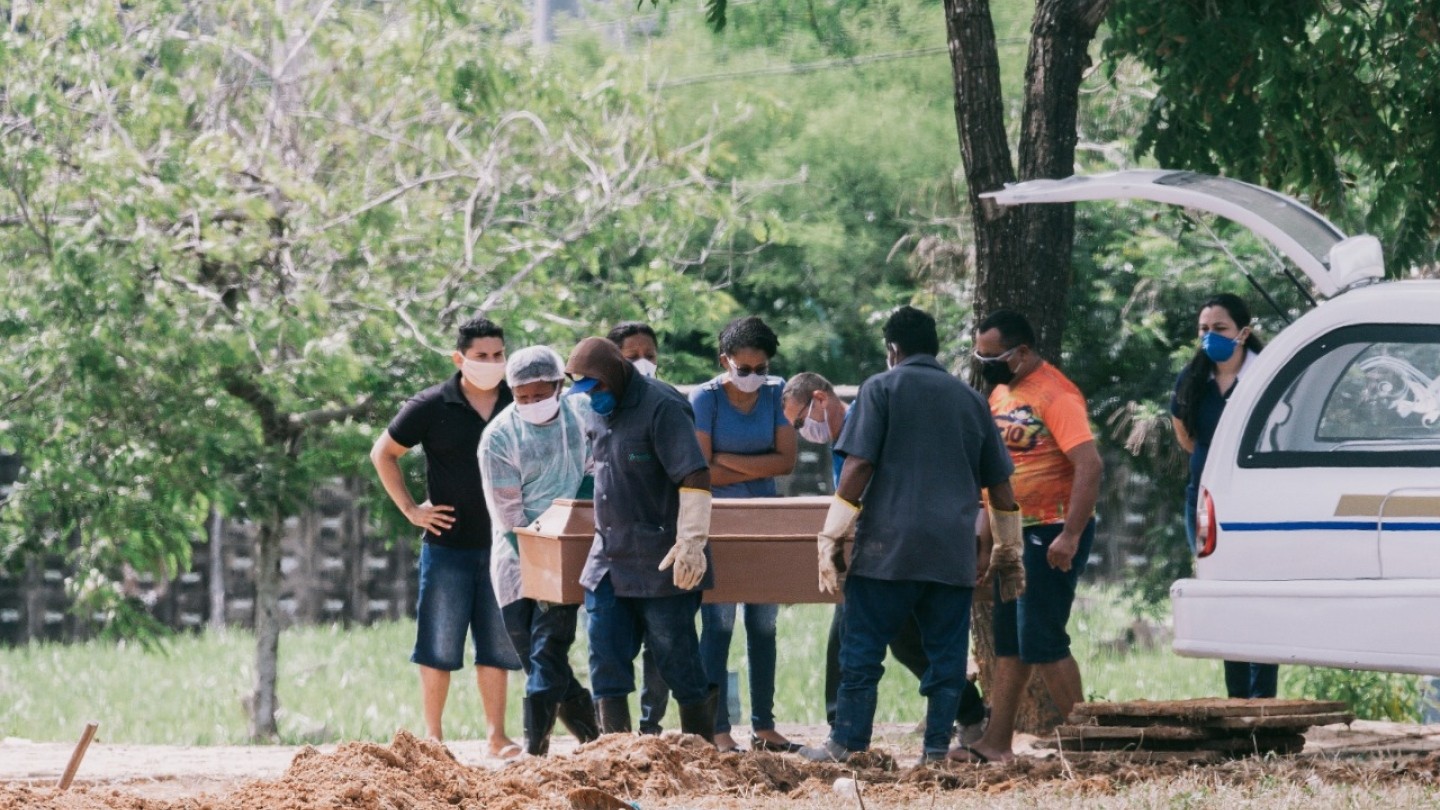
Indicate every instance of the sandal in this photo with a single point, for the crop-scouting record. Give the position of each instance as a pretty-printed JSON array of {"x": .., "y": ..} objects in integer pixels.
[
  {"x": 510, "y": 751},
  {"x": 975, "y": 757},
  {"x": 758, "y": 743}
]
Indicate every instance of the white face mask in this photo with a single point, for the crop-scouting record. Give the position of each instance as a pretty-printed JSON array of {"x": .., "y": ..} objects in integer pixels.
[
  {"x": 539, "y": 413},
  {"x": 485, "y": 376},
  {"x": 645, "y": 367},
  {"x": 750, "y": 383},
  {"x": 815, "y": 430}
]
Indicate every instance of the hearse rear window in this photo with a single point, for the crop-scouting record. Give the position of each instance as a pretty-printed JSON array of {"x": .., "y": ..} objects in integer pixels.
[{"x": 1362, "y": 396}]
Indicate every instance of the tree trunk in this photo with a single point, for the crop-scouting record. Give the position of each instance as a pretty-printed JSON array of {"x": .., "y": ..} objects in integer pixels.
[
  {"x": 264, "y": 701},
  {"x": 984, "y": 148},
  {"x": 1022, "y": 254}
]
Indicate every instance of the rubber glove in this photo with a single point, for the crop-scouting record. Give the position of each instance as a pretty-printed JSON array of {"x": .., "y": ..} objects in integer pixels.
[
  {"x": 692, "y": 532},
  {"x": 830, "y": 543},
  {"x": 1006, "y": 554}
]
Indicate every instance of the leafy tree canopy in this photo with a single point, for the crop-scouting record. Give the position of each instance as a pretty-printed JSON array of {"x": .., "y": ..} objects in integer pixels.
[{"x": 1335, "y": 100}]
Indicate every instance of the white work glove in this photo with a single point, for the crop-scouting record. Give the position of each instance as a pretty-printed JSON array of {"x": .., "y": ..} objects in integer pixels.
[
  {"x": 692, "y": 531},
  {"x": 830, "y": 543},
  {"x": 1006, "y": 553}
]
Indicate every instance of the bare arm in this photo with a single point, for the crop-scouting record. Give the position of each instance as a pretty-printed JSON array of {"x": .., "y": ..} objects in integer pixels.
[
  {"x": 719, "y": 474},
  {"x": 1182, "y": 435},
  {"x": 1084, "y": 493},
  {"x": 385, "y": 455},
  {"x": 781, "y": 461},
  {"x": 854, "y": 477},
  {"x": 700, "y": 479}
]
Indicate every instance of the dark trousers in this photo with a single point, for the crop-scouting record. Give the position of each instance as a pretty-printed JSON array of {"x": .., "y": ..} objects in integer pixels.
[
  {"x": 910, "y": 652},
  {"x": 654, "y": 694},
  {"x": 542, "y": 634},
  {"x": 874, "y": 612},
  {"x": 1246, "y": 680},
  {"x": 666, "y": 624}
]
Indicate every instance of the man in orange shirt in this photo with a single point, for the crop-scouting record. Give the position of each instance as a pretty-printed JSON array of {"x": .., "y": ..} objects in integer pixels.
[{"x": 1044, "y": 423}]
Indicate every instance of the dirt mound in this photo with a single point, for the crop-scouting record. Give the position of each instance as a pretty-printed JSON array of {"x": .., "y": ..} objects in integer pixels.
[{"x": 422, "y": 775}]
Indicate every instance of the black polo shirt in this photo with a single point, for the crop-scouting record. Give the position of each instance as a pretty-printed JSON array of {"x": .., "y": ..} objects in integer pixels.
[
  {"x": 643, "y": 450},
  {"x": 441, "y": 420},
  {"x": 934, "y": 445}
]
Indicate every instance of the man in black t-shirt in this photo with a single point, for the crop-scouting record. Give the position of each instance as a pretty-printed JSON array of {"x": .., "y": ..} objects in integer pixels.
[{"x": 456, "y": 594}]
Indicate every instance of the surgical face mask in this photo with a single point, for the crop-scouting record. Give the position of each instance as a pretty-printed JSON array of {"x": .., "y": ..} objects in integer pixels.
[
  {"x": 602, "y": 402},
  {"x": 539, "y": 413},
  {"x": 645, "y": 367},
  {"x": 485, "y": 376},
  {"x": 750, "y": 381},
  {"x": 1218, "y": 347},
  {"x": 815, "y": 430},
  {"x": 997, "y": 372}
]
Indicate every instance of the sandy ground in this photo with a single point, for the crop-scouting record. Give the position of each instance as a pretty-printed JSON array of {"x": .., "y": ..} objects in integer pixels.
[{"x": 173, "y": 772}]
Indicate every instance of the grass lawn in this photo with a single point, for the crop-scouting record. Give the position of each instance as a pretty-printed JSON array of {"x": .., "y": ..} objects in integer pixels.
[{"x": 338, "y": 684}]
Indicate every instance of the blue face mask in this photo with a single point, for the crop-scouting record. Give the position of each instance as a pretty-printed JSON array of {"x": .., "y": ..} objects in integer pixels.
[
  {"x": 1218, "y": 347},
  {"x": 602, "y": 402}
]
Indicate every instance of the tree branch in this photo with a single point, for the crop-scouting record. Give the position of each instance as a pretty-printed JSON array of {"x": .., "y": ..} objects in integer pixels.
[
  {"x": 376, "y": 202},
  {"x": 325, "y": 416}
]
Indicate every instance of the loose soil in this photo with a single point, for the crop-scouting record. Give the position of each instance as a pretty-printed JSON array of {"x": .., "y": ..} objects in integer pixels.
[{"x": 682, "y": 771}]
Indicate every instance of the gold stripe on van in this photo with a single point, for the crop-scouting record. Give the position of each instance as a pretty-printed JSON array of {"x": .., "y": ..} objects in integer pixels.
[{"x": 1395, "y": 506}]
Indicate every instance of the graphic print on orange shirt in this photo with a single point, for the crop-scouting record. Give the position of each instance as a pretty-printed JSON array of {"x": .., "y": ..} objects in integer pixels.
[{"x": 1039, "y": 419}]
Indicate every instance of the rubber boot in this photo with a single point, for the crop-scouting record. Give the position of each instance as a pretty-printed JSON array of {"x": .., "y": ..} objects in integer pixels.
[
  {"x": 614, "y": 715},
  {"x": 578, "y": 716},
  {"x": 699, "y": 718},
  {"x": 539, "y": 718}
]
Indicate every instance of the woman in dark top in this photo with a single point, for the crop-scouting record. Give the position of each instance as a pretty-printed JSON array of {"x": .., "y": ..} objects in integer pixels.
[{"x": 1227, "y": 344}]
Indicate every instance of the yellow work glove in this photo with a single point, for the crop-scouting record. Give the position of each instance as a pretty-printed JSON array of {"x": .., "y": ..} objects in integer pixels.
[
  {"x": 830, "y": 543},
  {"x": 692, "y": 532},
  {"x": 1006, "y": 553}
]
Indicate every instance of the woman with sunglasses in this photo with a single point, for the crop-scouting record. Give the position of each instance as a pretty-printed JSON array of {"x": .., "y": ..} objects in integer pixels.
[{"x": 740, "y": 422}]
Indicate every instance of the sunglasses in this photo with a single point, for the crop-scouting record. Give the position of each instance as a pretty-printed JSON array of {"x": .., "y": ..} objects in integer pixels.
[
  {"x": 746, "y": 371},
  {"x": 999, "y": 358}
]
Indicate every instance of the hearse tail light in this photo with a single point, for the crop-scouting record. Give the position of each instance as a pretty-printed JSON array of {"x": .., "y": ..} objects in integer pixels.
[{"x": 1206, "y": 524}]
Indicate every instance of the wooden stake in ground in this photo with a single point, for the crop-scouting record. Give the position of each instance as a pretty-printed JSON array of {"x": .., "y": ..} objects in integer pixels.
[{"x": 78, "y": 754}]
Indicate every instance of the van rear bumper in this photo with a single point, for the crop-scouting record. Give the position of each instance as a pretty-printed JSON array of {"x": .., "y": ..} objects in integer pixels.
[{"x": 1388, "y": 625}]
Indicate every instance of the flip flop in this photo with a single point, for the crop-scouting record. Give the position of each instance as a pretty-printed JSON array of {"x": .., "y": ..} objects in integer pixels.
[
  {"x": 510, "y": 751},
  {"x": 758, "y": 743},
  {"x": 976, "y": 758}
]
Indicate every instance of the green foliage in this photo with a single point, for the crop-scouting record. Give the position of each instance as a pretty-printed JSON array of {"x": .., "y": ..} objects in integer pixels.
[
  {"x": 1370, "y": 695},
  {"x": 845, "y": 176},
  {"x": 230, "y": 238},
  {"x": 1332, "y": 100}
]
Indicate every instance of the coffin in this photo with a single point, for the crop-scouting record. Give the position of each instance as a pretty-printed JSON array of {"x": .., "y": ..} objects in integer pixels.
[{"x": 763, "y": 550}]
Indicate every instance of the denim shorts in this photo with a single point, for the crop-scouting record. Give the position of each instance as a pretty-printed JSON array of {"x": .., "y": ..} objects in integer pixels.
[
  {"x": 1033, "y": 626},
  {"x": 456, "y": 596}
]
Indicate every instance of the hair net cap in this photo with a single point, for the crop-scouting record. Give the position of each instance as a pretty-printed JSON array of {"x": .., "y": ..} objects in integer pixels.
[{"x": 534, "y": 364}]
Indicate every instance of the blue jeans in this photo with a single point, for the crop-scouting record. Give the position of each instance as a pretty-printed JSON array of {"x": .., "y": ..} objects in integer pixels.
[
  {"x": 666, "y": 624},
  {"x": 875, "y": 610},
  {"x": 717, "y": 627},
  {"x": 654, "y": 694},
  {"x": 542, "y": 634},
  {"x": 1246, "y": 680},
  {"x": 456, "y": 596}
]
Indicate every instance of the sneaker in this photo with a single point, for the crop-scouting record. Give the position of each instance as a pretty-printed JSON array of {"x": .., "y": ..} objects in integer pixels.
[{"x": 830, "y": 751}]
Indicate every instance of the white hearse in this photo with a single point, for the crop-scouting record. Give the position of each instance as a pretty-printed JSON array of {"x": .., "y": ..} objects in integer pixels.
[{"x": 1319, "y": 507}]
